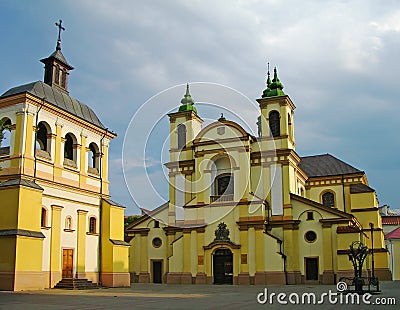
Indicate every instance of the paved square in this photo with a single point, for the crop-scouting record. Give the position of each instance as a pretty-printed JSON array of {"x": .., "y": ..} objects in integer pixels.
[{"x": 160, "y": 296}]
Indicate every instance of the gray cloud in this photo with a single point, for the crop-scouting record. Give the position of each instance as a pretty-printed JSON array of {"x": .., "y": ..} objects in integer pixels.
[{"x": 337, "y": 59}]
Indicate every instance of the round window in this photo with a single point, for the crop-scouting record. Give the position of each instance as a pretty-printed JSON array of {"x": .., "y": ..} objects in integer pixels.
[
  {"x": 310, "y": 236},
  {"x": 157, "y": 242}
]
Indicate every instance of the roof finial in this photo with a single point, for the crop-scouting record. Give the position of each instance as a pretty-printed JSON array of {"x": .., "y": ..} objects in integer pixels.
[
  {"x": 268, "y": 77},
  {"x": 222, "y": 118},
  {"x": 187, "y": 101},
  {"x": 60, "y": 27},
  {"x": 274, "y": 87}
]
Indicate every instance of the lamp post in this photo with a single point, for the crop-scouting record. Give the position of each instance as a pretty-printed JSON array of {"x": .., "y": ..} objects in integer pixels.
[{"x": 371, "y": 225}]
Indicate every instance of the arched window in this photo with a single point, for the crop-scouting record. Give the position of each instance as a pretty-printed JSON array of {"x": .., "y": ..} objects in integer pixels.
[
  {"x": 92, "y": 225},
  {"x": 42, "y": 141},
  {"x": 328, "y": 199},
  {"x": 63, "y": 78},
  {"x": 223, "y": 186},
  {"x": 43, "y": 219},
  {"x": 181, "y": 136},
  {"x": 57, "y": 75},
  {"x": 69, "y": 147},
  {"x": 5, "y": 136},
  {"x": 68, "y": 223},
  {"x": 93, "y": 156},
  {"x": 275, "y": 123}
]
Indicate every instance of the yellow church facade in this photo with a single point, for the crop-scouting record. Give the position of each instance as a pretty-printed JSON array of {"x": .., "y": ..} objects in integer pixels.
[
  {"x": 57, "y": 220},
  {"x": 250, "y": 210}
]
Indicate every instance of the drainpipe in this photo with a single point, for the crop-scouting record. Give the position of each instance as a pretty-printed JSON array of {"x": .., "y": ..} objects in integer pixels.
[
  {"x": 266, "y": 231},
  {"x": 101, "y": 197},
  {"x": 34, "y": 145},
  {"x": 344, "y": 196}
]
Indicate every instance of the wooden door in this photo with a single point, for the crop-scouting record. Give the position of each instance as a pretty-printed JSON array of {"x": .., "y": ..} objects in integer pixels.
[
  {"x": 312, "y": 269},
  {"x": 157, "y": 272},
  {"x": 223, "y": 266},
  {"x": 68, "y": 263}
]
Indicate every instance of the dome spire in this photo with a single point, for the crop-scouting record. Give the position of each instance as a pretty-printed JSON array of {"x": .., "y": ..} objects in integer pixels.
[
  {"x": 275, "y": 87},
  {"x": 187, "y": 101}
]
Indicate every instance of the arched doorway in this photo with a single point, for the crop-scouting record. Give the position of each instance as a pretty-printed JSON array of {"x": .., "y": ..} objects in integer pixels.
[{"x": 223, "y": 266}]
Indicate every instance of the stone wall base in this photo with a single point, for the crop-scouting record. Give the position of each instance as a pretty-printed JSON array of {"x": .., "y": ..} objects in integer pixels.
[
  {"x": 115, "y": 279},
  {"x": 201, "y": 278},
  {"x": 179, "y": 278},
  {"x": 293, "y": 277},
  {"x": 23, "y": 280},
  {"x": 383, "y": 274},
  {"x": 328, "y": 277},
  {"x": 144, "y": 277},
  {"x": 134, "y": 277},
  {"x": 269, "y": 278},
  {"x": 244, "y": 278}
]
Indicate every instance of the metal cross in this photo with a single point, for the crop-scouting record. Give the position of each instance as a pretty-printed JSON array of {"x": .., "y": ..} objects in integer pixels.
[{"x": 60, "y": 27}]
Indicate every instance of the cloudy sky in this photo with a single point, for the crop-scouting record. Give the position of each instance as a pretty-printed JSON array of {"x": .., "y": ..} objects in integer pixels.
[{"x": 338, "y": 60}]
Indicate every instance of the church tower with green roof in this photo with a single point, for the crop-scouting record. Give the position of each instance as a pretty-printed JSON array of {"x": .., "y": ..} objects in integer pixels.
[{"x": 185, "y": 124}]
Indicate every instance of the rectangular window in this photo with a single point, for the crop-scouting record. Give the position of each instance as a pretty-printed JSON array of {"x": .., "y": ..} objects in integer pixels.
[{"x": 310, "y": 216}]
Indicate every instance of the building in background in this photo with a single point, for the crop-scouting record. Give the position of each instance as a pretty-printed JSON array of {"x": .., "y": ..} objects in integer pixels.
[
  {"x": 56, "y": 219},
  {"x": 254, "y": 211}
]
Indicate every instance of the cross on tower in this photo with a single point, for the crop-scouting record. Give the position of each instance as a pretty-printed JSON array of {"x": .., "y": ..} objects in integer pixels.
[{"x": 60, "y": 27}]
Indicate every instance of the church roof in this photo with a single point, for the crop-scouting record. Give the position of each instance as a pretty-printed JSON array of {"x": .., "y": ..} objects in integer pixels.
[
  {"x": 390, "y": 220},
  {"x": 325, "y": 165},
  {"x": 20, "y": 181},
  {"x": 394, "y": 234},
  {"x": 57, "y": 98},
  {"x": 360, "y": 188}
]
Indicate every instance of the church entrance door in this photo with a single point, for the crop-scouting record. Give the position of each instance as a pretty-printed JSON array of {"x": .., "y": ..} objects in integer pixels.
[
  {"x": 223, "y": 266},
  {"x": 67, "y": 263},
  {"x": 157, "y": 271},
  {"x": 311, "y": 268}
]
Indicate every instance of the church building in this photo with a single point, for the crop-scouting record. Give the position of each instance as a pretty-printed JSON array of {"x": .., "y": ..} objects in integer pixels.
[
  {"x": 57, "y": 220},
  {"x": 254, "y": 211}
]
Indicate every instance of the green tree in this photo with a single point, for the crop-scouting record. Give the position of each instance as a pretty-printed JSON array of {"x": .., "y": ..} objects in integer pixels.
[{"x": 130, "y": 219}]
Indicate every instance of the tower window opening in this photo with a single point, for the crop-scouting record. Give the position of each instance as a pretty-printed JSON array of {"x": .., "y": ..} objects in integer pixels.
[
  {"x": 181, "y": 136},
  {"x": 5, "y": 136},
  {"x": 275, "y": 123},
  {"x": 57, "y": 75}
]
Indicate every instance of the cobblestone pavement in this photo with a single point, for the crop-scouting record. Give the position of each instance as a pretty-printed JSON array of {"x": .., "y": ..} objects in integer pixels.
[{"x": 161, "y": 296}]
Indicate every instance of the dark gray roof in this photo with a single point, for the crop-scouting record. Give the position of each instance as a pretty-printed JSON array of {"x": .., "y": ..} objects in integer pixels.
[
  {"x": 57, "y": 54},
  {"x": 57, "y": 98},
  {"x": 22, "y": 182},
  {"x": 21, "y": 232},
  {"x": 360, "y": 188},
  {"x": 119, "y": 242},
  {"x": 325, "y": 165},
  {"x": 113, "y": 203}
]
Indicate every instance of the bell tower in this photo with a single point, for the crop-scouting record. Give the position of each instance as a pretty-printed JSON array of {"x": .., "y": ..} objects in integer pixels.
[
  {"x": 277, "y": 145},
  {"x": 277, "y": 111},
  {"x": 185, "y": 124},
  {"x": 56, "y": 67}
]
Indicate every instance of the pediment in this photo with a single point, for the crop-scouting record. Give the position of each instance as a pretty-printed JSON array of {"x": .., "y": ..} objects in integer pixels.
[{"x": 225, "y": 130}]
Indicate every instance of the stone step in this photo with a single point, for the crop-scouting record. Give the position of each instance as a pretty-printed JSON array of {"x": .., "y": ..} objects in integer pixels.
[{"x": 76, "y": 284}]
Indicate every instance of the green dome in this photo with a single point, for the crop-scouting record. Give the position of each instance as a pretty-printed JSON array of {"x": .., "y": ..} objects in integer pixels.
[
  {"x": 187, "y": 102},
  {"x": 187, "y": 107},
  {"x": 274, "y": 88}
]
